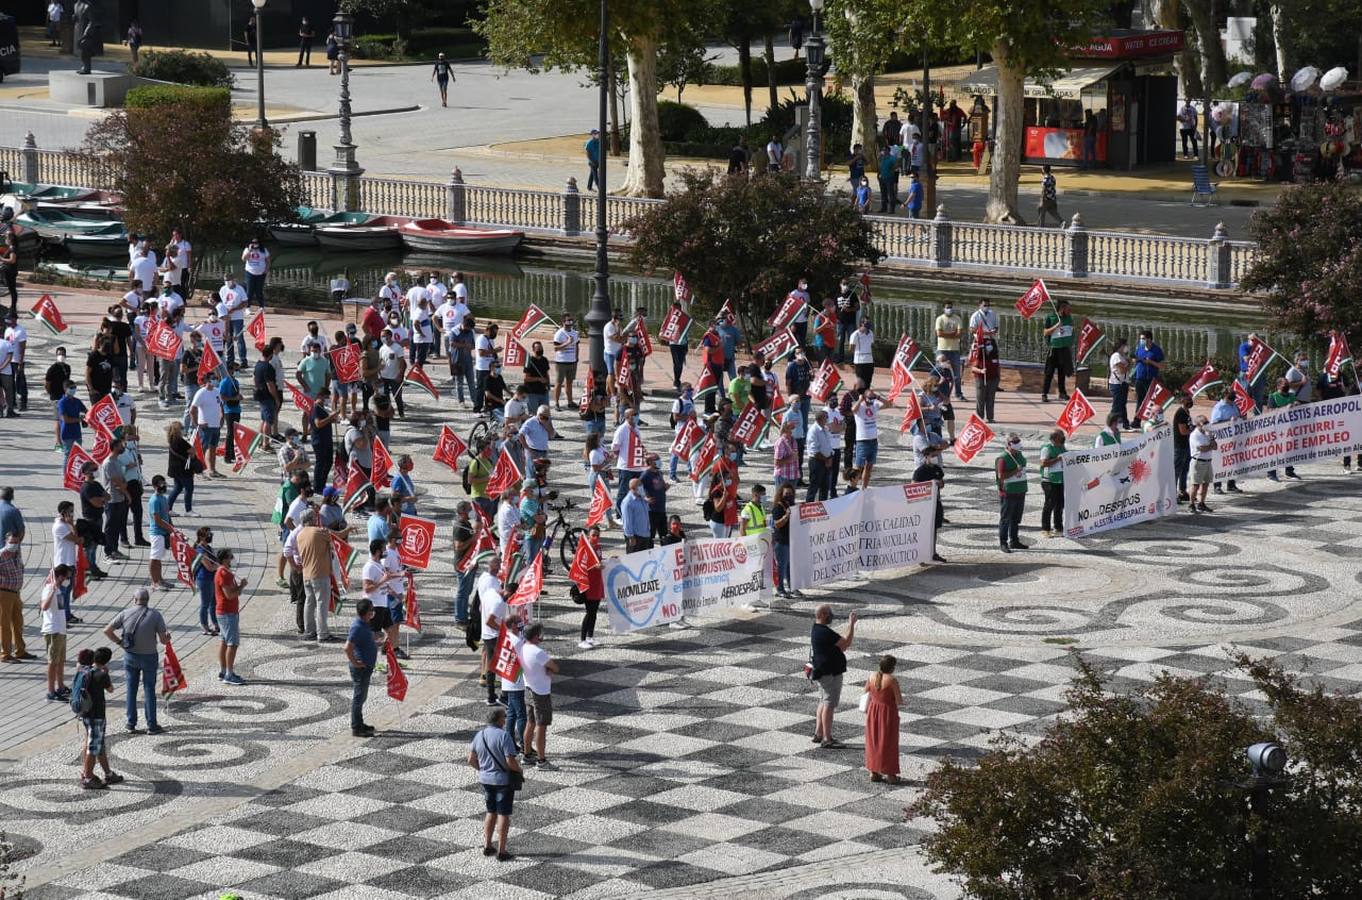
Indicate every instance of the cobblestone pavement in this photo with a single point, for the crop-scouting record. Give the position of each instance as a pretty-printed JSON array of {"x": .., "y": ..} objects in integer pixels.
[{"x": 682, "y": 760}]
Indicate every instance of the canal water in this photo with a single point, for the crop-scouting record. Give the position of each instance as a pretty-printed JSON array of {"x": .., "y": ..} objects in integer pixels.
[{"x": 502, "y": 287}]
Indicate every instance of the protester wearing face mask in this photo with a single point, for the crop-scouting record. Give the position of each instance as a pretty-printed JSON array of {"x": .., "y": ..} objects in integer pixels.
[
  {"x": 99, "y": 371},
  {"x": 70, "y": 413},
  {"x": 634, "y": 515},
  {"x": 799, "y": 325},
  {"x": 947, "y": 328},
  {"x": 206, "y": 414},
  {"x": 392, "y": 368},
  {"x": 984, "y": 319},
  {"x": 1298, "y": 379},
  {"x": 1202, "y": 443},
  {"x": 931, "y": 470},
  {"x": 1148, "y": 365},
  {"x": 1009, "y": 472}
]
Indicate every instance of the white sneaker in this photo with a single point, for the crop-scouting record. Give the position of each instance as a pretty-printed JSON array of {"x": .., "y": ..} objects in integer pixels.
[{"x": 585, "y": 645}]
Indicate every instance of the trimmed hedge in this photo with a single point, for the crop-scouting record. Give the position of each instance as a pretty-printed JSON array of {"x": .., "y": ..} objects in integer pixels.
[
  {"x": 679, "y": 122},
  {"x": 182, "y": 67},
  {"x": 788, "y": 71},
  {"x": 424, "y": 43},
  {"x": 151, "y": 96}
]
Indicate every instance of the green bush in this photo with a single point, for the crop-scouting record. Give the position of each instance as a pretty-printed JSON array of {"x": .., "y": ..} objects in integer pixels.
[
  {"x": 679, "y": 122},
  {"x": 424, "y": 43},
  {"x": 788, "y": 71},
  {"x": 151, "y": 96},
  {"x": 183, "y": 67}
]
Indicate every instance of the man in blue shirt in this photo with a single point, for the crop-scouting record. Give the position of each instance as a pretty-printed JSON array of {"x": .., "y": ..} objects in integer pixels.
[
  {"x": 730, "y": 336},
  {"x": 361, "y": 651},
  {"x": 11, "y": 520},
  {"x": 492, "y": 753},
  {"x": 1148, "y": 362},
  {"x": 889, "y": 193},
  {"x": 634, "y": 512},
  {"x": 378, "y": 521},
  {"x": 915, "y": 195},
  {"x": 72, "y": 411},
  {"x": 655, "y": 491},
  {"x": 1258, "y": 389},
  {"x": 593, "y": 159}
]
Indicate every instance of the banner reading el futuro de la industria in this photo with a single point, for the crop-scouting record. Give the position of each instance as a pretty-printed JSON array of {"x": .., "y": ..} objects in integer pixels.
[
  {"x": 1120, "y": 485},
  {"x": 1307, "y": 433},
  {"x": 699, "y": 577},
  {"x": 874, "y": 530}
]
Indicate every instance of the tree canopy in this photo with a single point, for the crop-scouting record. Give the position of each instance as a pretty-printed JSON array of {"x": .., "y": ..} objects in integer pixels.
[
  {"x": 1309, "y": 262},
  {"x": 187, "y": 164},
  {"x": 1145, "y": 795},
  {"x": 750, "y": 240}
]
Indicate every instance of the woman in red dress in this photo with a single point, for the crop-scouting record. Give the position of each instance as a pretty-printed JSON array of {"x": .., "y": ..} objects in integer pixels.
[{"x": 882, "y": 723}]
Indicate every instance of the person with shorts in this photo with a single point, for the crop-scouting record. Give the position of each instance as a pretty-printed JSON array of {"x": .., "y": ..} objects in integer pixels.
[
  {"x": 377, "y": 578},
  {"x": 443, "y": 75},
  {"x": 494, "y": 612},
  {"x": 492, "y": 753},
  {"x": 159, "y": 529},
  {"x": 565, "y": 344},
  {"x": 827, "y": 666},
  {"x": 97, "y": 685},
  {"x": 539, "y": 669},
  {"x": 865, "y": 411},
  {"x": 54, "y": 631},
  {"x": 266, "y": 392},
  {"x": 206, "y": 414},
  {"x": 227, "y": 592},
  {"x": 1201, "y": 442}
]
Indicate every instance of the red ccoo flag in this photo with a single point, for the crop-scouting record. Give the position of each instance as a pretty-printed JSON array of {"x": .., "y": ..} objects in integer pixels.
[
  {"x": 397, "y": 679},
  {"x": 912, "y": 411},
  {"x": 1077, "y": 411},
  {"x": 505, "y": 475},
  {"x": 1089, "y": 336},
  {"x": 209, "y": 362},
  {"x": 1156, "y": 399},
  {"x": 381, "y": 473},
  {"x": 256, "y": 329},
  {"x": 75, "y": 461},
  {"x": 417, "y": 375},
  {"x": 583, "y": 561},
  {"x": 532, "y": 319},
  {"x": 972, "y": 438},
  {"x": 680, "y": 289},
  {"x": 1243, "y": 400},
  {"x": 1035, "y": 297},
  {"x": 600, "y": 503},
  {"x": 104, "y": 416},
  {"x": 1338, "y": 354},
  {"x": 825, "y": 381},
  {"x": 300, "y": 398},
  {"x": 531, "y": 583},
  {"x": 514, "y": 356},
  {"x": 1202, "y": 380},
  {"x": 449, "y": 447},
  {"x": 356, "y": 487}
]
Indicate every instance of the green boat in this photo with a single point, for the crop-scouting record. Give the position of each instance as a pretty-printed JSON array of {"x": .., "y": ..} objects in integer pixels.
[
  {"x": 77, "y": 233},
  {"x": 303, "y": 232},
  {"x": 48, "y": 193}
]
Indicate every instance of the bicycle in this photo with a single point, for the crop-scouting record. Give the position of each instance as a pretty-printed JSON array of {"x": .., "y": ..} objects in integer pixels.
[{"x": 567, "y": 544}]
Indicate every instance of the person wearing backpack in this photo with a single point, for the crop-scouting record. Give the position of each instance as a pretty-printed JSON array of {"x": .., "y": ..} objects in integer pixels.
[
  {"x": 140, "y": 627},
  {"x": 88, "y": 691}
]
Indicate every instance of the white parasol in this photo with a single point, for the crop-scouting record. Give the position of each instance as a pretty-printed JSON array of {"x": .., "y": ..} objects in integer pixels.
[
  {"x": 1333, "y": 78},
  {"x": 1241, "y": 79},
  {"x": 1304, "y": 79}
]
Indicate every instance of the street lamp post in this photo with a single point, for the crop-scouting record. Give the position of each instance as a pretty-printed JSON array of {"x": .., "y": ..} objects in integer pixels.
[
  {"x": 599, "y": 313},
  {"x": 345, "y": 171},
  {"x": 813, "y": 48},
  {"x": 260, "y": 121}
]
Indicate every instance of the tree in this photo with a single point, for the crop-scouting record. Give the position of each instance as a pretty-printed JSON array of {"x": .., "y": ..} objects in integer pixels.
[
  {"x": 750, "y": 240},
  {"x": 564, "y": 34},
  {"x": 404, "y": 13},
  {"x": 1214, "y": 68},
  {"x": 1309, "y": 261},
  {"x": 185, "y": 163},
  {"x": 1145, "y": 795},
  {"x": 1024, "y": 37}
]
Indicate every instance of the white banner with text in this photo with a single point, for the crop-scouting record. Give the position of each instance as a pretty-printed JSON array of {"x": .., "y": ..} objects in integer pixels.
[
  {"x": 692, "y": 578},
  {"x": 1307, "y": 433},
  {"x": 874, "y": 530},
  {"x": 1112, "y": 487}
]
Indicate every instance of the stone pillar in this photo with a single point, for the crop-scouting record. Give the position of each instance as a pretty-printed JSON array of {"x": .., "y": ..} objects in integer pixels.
[
  {"x": 1076, "y": 248},
  {"x": 939, "y": 247},
  {"x": 1218, "y": 258},
  {"x": 456, "y": 209},
  {"x": 30, "y": 151},
  {"x": 345, "y": 193},
  {"x": 572, "y": 208}
]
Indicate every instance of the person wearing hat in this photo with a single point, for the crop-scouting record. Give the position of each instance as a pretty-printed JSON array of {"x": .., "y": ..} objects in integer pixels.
[
  {"x": 442, "y": 76},
  {"x": 593, "y": 159}
]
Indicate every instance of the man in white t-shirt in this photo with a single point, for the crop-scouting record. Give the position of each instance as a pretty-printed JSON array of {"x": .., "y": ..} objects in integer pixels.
[
  {"x": 392, "y": 368},
  {"x": 565, "y": 343},
  {"x": 986, "y": 317},
  {"x": 205, "y": 414},
  {"x": 378, "y": 582},
  {"x": 436, "y": 290},
  {"x": 866, "y": 412},
  {"x": 774, "y": 154},
  {"x": 415, "y": 294},
  {"x": 494, "y": 612},
  {"x": 142, "y": 272},
  {"x": 232, "y": 303},
  {"x": 614, "y": 343},
  {"x": 183, "y": 256},
  {"x": 539, "y": 669},
  {"x": 863, "y": 351},
  {"x": 484, "y": 354},
  {"x": 132, "y": 300},
  {"x": 54, "y": 629},
  {"x": 17, "y": 336},
  {"x": 213, "y": 331},
  {"x": 458, "y": 288},
  {"x": 257, "y": 261}
]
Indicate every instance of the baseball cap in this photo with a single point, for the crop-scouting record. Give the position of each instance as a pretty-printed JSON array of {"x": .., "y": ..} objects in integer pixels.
[{"x": 330, "y": 491}]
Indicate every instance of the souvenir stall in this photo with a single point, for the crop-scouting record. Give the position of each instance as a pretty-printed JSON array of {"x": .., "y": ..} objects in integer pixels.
[{"x": 1307, "y": 130}]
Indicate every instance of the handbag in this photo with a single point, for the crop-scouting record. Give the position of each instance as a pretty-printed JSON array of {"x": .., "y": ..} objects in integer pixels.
[
  {"x": 864, "y": 703},
  {"x": 517, "y": 779}
]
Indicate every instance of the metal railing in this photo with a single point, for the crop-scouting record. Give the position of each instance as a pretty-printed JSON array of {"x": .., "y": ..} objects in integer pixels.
[{"x": 1072, "y": 251}]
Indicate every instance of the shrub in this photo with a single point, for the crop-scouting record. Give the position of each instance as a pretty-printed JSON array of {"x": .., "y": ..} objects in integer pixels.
[
  {"x": 788, "y": 71},
  {"x": 679, "y": 122},
  {"x": 183, "y": 67},
  {"x": 151, "y": 96},
  {"x": 424, "y": 43}
]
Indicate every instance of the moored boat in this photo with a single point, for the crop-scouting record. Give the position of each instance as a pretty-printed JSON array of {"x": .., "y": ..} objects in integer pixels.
[
  {"x": 303, "y": 232},
  {"x": 57, "y": 226},
  {"x": 440, "y": 236},
  {"x": 374, "y": 233}
]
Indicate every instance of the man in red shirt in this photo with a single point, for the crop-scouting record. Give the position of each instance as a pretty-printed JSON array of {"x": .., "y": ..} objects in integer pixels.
[
  {"x": 227, "y": 591},
  {"x": 373, "y": 322},
  {"x": 712, "y": 357}
]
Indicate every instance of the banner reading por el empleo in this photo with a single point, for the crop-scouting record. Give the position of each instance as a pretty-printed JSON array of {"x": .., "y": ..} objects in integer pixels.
[
  {"x": 692, "y": 578},
  {"x": 1287, "y": 437},
  {"x": 1120, "y": 485},
  {"x": 874, "y": 530}
]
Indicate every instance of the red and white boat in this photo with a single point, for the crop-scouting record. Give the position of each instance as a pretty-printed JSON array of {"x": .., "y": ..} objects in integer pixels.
[{"x": 444, "y": 237}]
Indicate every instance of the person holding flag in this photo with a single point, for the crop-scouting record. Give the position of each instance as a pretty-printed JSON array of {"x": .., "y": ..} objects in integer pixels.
[
  {"x": 1281, "y": 398},
  {"x": 1149, "y": 362},
  {"x": 1058, "y": 329},
  {"x": 1009, "y": 473},
  {"x": 983, "y": 363},
  {"x": 1118, "y": 380},
  {"x": 1052, "y": 484},
  {"x": 592, "y": 593},
  {"x": 712, "y": 359}
]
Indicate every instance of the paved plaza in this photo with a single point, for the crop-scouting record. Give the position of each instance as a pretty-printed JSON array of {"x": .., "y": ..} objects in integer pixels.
[{"x": 683, "y": 765}]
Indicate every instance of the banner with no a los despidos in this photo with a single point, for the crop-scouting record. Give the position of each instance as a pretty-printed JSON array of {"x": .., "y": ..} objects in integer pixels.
[
  {"x": 1115, "y": 486},
  {"x": 1287, "y": 437},
  {"x": 692, "y": 578},
  {"x": 874, "y": 530}
]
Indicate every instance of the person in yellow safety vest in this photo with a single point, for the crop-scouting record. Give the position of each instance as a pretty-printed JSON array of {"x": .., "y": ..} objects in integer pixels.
[{"x": 753, "y": 515}]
